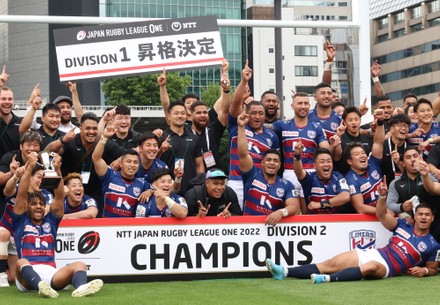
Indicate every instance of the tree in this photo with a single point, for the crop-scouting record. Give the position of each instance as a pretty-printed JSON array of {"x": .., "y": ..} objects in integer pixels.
[
  {"x": 143, "y": 90},
  {"x": 211, "y": 94}
]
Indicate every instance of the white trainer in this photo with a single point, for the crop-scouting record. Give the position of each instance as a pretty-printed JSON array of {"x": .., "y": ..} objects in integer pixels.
[
  {"x": 45, "y": 290},
  {"x": 91, "y": 287},
  {"x": 4, "y": 280}
]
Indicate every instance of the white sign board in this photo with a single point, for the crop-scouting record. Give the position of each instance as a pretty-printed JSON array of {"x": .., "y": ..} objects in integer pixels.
[
  {"x": 123, "y": 247},
  {"x": 97, "y": 52}
]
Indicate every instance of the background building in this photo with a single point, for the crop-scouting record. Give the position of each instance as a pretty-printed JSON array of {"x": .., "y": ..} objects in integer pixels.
[
  {"x": 405, "y": 40},
  {"x": 302, "y": 49}
]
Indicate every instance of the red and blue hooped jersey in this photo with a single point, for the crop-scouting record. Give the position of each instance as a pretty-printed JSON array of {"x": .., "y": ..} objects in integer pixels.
[
  {"x": 36, "y": 243},
  {"x": 317, "y": 190},
  {"x": 86, "y": 203},
  {"x": 262, "y": 198},
  {"x": 258, "y": 144},
  {"x": 150, "y": 209},
  {"x": 146, "y": 174},
  {"x": 432, "y": 133},
  {"x": 367, "y": 183},
  {"x": 120, "y": 196},
  {"x": 329, "y": 125},
  {"x": 6, "y": 221},
  {"x": 311, "y": 135},
  {"x": 406, "y": 249}
]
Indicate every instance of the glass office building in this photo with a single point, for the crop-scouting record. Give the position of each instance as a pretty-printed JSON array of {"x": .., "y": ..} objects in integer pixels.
[{"x": 232, "y": 40}]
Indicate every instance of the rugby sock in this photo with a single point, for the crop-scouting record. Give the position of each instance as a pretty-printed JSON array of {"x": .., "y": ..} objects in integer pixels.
[
  {"x": 3, "y": 265},
  {"x": 303, "y": 272},
  {"x": 30, "y": 276},
  {"x": 79, "y": 278},
  {"x": 349, "y": 274}
]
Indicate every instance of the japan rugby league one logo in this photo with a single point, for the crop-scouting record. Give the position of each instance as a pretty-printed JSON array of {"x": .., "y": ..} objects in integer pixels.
[{"x": 88, "y": 242}]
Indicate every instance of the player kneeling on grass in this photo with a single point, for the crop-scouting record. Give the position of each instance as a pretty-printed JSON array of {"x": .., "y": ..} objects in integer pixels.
[
  {"x": 35, "y": 236},
  {"x": 411, "y": 249}
]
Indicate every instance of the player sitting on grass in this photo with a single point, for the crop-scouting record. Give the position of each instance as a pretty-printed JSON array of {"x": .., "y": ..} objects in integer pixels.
[
  {"x": 411, "y": 249},
  {"x": 35, "y": 236}
]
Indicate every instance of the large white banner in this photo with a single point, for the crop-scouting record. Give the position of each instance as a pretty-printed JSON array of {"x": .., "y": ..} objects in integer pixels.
[
  {"x": 97, "y": 52},
  {"x": 121, "y": 247}
]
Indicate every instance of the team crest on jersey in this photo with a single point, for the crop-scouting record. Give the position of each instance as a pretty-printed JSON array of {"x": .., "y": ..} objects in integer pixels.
[
  {"x": 116, "y": 187},
  {"x": 280, "y": 192},
  {"x": 334, "y": 126},
  {"x": 295, "y": 193},
  {"x": 46, "y": 227},
  {"x": 318, "y": 190},
  {"x": 136, "y": 191},
  {"x": 422, "y": 246},
  {"x": 259, "y": 184},
  {"x": 375, "y": 175},
  {"x": 362, "y": 239},
  {"x": 311, "y": 133},
  {"x": 90, "y": 202}
]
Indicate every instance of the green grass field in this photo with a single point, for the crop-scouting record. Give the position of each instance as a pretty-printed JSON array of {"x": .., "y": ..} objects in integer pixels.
[{"x": 401, "y": 290}]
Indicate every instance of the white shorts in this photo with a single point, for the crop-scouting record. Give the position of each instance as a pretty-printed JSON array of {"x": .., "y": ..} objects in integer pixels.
[
  {"x": 237, "y": 186},
  {"x": 369, "y": 255},
  {"x": 45, "y": 272},
  {"x": 289, "y": 175},
  {"x": 12, "y": 250}
]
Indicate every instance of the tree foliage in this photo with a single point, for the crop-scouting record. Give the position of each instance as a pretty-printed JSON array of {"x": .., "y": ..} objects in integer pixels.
[{"x": 144, "y": 90}]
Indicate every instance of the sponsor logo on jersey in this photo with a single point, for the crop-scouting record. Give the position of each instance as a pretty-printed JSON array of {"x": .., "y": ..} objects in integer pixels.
[
  {"x": 311, "y": 133},
  {"x": 295, "y": 193},
  {"x": 280, "y": 192},
  {"x": 249, "y": 133},
  {"x": 269, "y": 142},
  {"x": 422, "y": 246},
  {"x": 90, "y": 202},
  {"x": 259, "y": 184},
  {"x": 116, "y": 187},
  {"x": 46, "y": 227},
  {"x": 415, "y": 140},
  {"x": 141, "y": 211},
  {"x": 136, "y": 191},
  {"x": 352, "y": 190},
  {"x": 365, "y": 186},
  {"x": 362, "y": 239},
  {"x": 318, "y": 190},
  {"x": 29, "y": 228},
  {"x": 402, "y": 232},
  {"x": 290, "y": 133}
]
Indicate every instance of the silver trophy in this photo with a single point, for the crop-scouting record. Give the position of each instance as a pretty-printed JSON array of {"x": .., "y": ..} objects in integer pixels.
[{"x": 51, "y": 180}]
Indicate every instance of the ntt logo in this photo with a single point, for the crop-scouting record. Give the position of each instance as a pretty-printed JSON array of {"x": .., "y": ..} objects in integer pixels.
[{"x": 88, "y": 242}]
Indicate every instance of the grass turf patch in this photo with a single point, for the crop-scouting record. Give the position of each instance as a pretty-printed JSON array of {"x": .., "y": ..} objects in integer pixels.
[{"x": 401, "y": 290}]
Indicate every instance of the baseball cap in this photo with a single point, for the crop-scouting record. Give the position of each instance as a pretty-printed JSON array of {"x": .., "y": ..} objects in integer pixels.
[
  {"x": 215, "y": 173},
  {"x": 63, "y": 98}
]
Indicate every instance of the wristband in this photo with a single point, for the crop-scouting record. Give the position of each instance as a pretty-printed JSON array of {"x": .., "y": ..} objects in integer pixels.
[
  {"x": 380, "y": 122},
  {"x": 178, "y": 180},
  {"x": 328, "y": 66},
  {"x": 103, "y": 140},
  {"x": 61, "y": 140},
  {"x": 375, "y": 79},
  {"x": 426, "y": 271},
  {"x": 170, "y": 202},
  {"x": 297, "y": 157},
  {"x": 224, "y": 91},
  {"x": 430, "y": 140},
  {"x": 15, "y": 178},
  {"x": 326, "y": 204},
  {"x": 285, "y": 212},
  {"x": 385, "y": 197}
]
